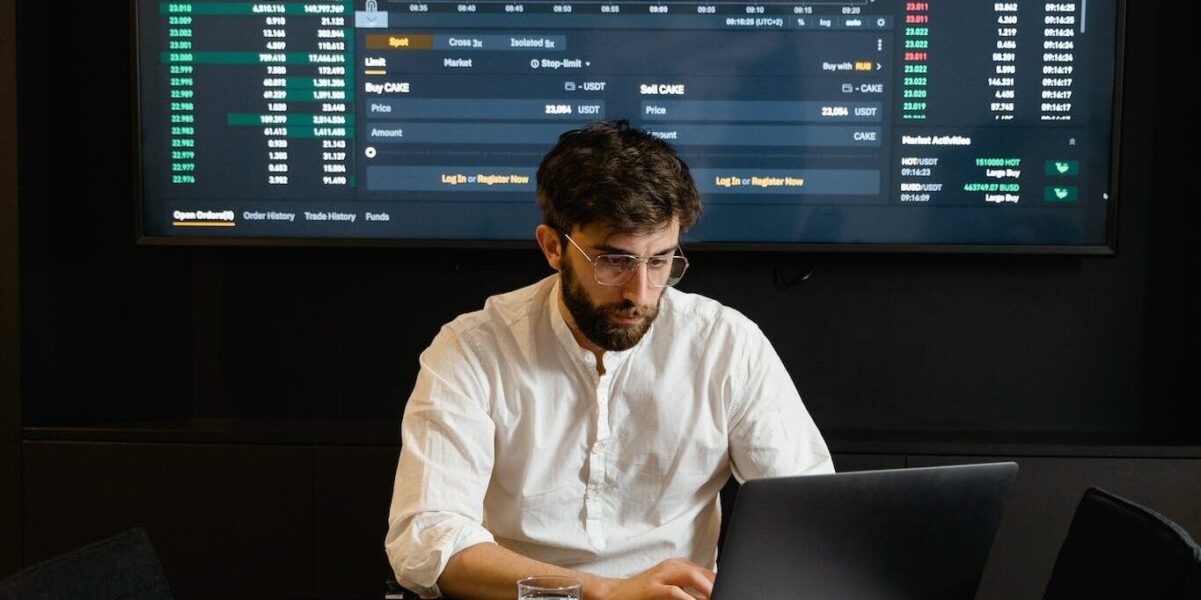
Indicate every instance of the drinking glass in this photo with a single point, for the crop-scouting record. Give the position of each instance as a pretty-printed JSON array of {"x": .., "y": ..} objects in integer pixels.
[{"x": 548, "y": 587}]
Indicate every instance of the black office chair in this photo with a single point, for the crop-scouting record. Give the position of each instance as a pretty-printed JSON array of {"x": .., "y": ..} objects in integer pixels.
[
  {"x": 1118, "y": 549},
  {"x": 123, "y": 567}
]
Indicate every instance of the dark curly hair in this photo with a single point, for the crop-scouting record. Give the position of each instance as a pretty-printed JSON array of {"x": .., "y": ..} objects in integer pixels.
[{"x": 610, "y": 173}]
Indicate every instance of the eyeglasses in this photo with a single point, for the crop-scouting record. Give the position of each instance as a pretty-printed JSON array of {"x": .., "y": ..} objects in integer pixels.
[{"x": 618, "y": 269}]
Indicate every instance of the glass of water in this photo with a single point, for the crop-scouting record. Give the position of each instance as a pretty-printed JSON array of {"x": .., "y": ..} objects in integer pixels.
[{"x": 548, "y": 587}]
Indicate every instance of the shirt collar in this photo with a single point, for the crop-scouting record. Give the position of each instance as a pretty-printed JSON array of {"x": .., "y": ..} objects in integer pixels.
[{"x": 613, "y": 358}]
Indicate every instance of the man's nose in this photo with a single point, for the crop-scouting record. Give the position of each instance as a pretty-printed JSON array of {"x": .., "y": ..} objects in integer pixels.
[{"x": 639, "y": 289}]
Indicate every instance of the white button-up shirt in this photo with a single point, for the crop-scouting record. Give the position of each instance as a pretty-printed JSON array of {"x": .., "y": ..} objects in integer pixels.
[{"x": 511, "y": 436}]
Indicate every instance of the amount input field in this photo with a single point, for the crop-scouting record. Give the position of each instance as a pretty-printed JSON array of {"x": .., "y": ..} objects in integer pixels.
[
  {"x": 767, "y": 135},
  {"x": 404, "y": 132}
]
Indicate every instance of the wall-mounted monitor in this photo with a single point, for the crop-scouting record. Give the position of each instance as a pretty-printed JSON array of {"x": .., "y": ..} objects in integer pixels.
[{"x": 957, "y": 125}]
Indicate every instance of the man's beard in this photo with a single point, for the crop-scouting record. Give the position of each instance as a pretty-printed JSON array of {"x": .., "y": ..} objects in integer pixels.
[{"x": 593, "y": 321}]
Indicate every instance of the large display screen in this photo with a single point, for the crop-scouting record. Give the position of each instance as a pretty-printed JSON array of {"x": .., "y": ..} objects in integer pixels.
[{"x": 865, "y": 124}]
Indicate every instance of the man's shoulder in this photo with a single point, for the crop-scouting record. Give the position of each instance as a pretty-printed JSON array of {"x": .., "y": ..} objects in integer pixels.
[
  {"x": 716, "y": 339},
  {"x": 694, "y": 310},
  {"x": 503, "y": 312}
]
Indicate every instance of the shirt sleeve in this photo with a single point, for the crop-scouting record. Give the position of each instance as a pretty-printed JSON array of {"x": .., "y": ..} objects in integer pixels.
[
  {"x": 771, "y": 432},
  {"x": 444, "y": 469}
]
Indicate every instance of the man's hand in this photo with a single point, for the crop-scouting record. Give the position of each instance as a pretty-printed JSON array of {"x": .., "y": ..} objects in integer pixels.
[
  {"x": 487, "y": 571},
  {"x": 667, "y": 580}
]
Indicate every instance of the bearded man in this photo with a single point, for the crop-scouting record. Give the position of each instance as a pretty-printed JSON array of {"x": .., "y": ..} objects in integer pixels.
[{"x": 584, "y": 425}]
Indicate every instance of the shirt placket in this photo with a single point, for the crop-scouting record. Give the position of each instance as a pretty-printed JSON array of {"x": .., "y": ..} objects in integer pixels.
[{"x": 593, "y": 501}]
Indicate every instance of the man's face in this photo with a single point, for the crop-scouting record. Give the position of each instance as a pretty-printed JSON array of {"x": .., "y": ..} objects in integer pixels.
[{"x": 613, "y": 317}]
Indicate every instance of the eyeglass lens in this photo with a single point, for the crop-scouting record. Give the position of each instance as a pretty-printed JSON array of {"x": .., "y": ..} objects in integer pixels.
[{"x": 617, "y": 269}]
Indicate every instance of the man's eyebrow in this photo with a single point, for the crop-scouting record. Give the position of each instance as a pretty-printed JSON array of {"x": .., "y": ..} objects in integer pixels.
[{"x": 607, "y": 249}]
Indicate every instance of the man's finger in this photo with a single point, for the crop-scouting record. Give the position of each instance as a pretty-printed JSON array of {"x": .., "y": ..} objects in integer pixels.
[{"x": 691, "y": 576}]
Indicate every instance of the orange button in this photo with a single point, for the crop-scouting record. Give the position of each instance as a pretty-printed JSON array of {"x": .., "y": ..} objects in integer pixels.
[{"x": 400, "y": 41}]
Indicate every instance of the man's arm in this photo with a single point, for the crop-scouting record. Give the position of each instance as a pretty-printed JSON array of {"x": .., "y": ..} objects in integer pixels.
[
  {"x": 446, "y": 462},
  {"x": 771, "y": 432},
  {"x": 490, "y": 572}
]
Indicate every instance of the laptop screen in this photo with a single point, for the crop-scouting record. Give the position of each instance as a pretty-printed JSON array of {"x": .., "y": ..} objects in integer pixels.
[{"x": 920, "y": 533}]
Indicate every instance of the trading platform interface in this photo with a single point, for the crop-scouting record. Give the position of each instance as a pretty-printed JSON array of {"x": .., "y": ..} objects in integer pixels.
[{"x": 861, "y": 122}]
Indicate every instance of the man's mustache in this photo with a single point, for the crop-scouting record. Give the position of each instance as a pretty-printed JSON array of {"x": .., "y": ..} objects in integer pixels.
[{"x": 628, "y": 309}]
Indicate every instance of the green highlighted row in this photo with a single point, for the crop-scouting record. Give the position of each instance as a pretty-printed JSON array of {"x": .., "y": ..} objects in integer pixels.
[
  {"x": 265, "y": 9},
  {"x": 208, "y": 57},
  {"x": 315, "y": 131},
  {"x": 181, "y": 99},
  {"x": 290, "y": 119}
]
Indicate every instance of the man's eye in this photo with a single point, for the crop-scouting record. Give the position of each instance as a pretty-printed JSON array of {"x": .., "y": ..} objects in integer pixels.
[
  {"x": 614, "y": 261},
  {"x": 658, "y": 262}
]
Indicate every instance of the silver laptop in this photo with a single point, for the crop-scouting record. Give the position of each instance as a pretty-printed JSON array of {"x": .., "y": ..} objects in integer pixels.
[{"x": 920, "y": 534}]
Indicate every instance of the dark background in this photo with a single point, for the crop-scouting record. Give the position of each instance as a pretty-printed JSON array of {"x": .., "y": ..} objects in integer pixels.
[
  {"x": 112, "y": 330},
  {"x": 298, "y": 350}
]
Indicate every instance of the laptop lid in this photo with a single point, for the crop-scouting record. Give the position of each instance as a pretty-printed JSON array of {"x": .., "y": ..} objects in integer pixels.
[{"x": 921, "y": 534}]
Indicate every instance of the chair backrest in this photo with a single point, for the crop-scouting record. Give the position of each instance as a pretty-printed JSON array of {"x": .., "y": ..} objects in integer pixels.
[
  {"x": 123, "y": 567},
  {"x": 1118, "y": 549}
]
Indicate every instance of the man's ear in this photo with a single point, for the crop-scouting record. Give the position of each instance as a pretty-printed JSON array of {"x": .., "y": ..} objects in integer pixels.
[{"x": 548, "y": 241}]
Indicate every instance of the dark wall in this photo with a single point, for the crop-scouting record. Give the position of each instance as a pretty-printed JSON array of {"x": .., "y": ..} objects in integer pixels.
[
  {"x": 1174, "y": 247},
  {"x": 10, "y": 409},
  {"x": 115, "y": 331}
]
